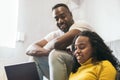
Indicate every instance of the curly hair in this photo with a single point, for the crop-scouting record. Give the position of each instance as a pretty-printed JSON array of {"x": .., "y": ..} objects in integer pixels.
[{"x": 100, "y": 50}]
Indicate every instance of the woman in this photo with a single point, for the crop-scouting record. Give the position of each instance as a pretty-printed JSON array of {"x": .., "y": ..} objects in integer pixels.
[{"x": 93, "y": 60}]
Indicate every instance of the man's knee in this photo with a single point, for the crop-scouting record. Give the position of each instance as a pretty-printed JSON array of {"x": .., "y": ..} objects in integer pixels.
[
  {"x": 53, "y": 56},
  {"x": 56, "y": 56}
]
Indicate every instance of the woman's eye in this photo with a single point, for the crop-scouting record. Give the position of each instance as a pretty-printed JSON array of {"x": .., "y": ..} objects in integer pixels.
[{"x": 81, "y": 47}]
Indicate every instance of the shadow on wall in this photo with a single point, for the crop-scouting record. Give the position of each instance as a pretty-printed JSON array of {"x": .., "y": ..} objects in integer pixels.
[{"x": 77, "y": 2}]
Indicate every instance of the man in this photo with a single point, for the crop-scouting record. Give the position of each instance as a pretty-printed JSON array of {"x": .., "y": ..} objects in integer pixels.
[{"x": 55, "y": 45}]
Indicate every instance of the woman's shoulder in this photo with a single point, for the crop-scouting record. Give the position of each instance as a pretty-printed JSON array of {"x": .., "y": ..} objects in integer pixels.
[{"x": 107, "y": 65}]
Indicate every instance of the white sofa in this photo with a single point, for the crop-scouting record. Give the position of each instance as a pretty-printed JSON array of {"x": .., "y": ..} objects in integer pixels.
[{"x": 115, "y": 46}]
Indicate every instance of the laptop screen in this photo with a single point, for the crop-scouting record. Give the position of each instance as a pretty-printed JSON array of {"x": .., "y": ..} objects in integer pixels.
[{"x": 25, "y": 71}]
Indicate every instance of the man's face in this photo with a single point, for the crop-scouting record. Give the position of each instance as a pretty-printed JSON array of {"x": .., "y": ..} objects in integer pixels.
[{"x": 63, "y": 18}]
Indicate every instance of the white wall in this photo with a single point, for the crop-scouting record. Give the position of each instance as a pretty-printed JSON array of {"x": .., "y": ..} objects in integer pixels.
[{"x": 103, "y": 15}]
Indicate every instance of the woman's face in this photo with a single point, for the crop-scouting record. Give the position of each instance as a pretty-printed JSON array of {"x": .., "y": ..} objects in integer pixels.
[{"x": 83, "y": 49}]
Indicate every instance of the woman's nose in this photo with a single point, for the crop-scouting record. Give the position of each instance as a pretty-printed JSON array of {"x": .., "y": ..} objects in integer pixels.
[{"x": 77, "y": 52}]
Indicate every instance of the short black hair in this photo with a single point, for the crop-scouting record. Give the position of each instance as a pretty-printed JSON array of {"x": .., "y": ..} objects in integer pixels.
[{"x": 59, "y": 5}]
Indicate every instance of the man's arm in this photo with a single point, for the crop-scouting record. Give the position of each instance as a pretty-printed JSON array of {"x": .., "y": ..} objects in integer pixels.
[
  {"x": 36, "y": 49},
  {"x": 65, "y": 40},
  {"x": 44, "y": 46}
]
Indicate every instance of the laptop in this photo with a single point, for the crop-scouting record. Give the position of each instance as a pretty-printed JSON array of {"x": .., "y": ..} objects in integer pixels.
[{"x": 24, "y": 71}]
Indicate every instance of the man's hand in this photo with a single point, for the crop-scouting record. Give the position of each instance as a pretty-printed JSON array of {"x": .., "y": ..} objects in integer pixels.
[{"x": 35, "y": 50}]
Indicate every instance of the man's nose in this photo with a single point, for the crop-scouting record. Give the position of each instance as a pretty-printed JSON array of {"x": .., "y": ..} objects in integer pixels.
[{"x": 60, "y": 21}]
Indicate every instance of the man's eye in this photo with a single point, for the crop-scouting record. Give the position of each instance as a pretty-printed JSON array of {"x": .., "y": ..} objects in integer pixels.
[
  {"x": 56, "y": 19},
  {"x": 62, "y": 17}
]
